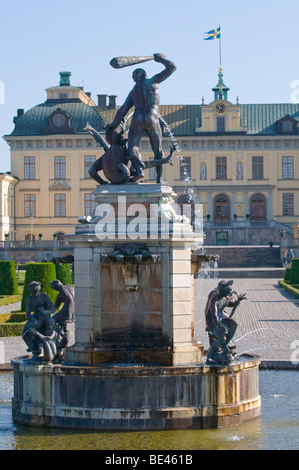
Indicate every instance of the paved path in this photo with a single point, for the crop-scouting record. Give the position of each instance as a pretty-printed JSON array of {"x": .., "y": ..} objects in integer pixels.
[{"x": 268, "y": 321}]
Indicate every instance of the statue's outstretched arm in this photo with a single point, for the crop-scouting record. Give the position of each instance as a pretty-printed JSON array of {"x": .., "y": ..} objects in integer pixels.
[{"x": 170, "y": 68}]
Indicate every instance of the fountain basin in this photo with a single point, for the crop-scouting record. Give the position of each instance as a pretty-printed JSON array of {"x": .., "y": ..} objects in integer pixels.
[{"x": 129, "y": 397}]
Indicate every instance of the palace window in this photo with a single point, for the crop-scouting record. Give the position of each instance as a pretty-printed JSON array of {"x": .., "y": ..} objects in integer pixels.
[
  {"x": 288, "y": 204},
  {"x": 29, "y": 168},
  {"x": 287, "y": 167},
  {"x": 220, "y": 124},
  {"x": 59, "y": 203},
  {"x": 221, "y": 168},
  {"x": 29, "y": 205},
  {"x": 88, "y": 161},
  {"x": 59, "y": 168},
  {"x": 185, "y": 168},
  {"x": 257, "y": 168},
  {"x": 222, "y": 208},
  {"x": 258, "y": 208},
  {"x": 89, "y": 204}
]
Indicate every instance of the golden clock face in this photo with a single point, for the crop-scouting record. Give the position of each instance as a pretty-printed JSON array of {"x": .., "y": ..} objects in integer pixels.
[
  {"x": 59, "y": 120},
  {"x": 220, "y": 108}
]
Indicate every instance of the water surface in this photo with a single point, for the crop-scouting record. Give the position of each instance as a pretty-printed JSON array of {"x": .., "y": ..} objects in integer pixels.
[{"x": 276, "y": 429}]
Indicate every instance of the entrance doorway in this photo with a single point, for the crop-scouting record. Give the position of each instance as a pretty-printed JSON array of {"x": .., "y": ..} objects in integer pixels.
[{"x": 221, "y": 238}]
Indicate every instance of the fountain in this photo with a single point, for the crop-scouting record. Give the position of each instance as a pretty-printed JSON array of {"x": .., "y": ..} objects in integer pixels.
[{"x": 135, "y": 364}]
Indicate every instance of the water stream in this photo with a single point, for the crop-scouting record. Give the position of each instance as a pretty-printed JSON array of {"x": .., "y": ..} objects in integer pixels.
[{"x": 276, "y": 429}]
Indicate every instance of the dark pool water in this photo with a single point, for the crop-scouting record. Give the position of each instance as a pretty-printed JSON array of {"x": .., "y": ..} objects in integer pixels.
[{"x": 276, "y": 429}]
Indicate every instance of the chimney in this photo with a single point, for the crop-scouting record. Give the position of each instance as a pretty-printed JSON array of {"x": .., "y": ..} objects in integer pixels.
[
  {"x": 112, "y": 102},
  {"x": 20, "y": 113},
  {"x": 102, "y": 102}
]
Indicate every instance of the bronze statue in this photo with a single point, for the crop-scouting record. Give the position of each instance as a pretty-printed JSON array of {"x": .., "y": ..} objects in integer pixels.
[
  {"x": 145, "y": 98},
  {"x": 42, "y": 308},
  {"x": 116, "y": 163},
  {"x": 220, "y": 326},
  {"x": 66, "y": 315},
  {"x": 46, "y": 335}
]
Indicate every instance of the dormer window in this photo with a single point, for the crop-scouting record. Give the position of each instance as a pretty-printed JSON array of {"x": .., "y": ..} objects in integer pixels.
[
  {"x": 63, "y": 96},
  {"x": 287, "y": 125}
]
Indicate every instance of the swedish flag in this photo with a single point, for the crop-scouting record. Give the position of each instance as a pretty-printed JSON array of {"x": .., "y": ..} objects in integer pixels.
[{"x": 213, "y": 34}]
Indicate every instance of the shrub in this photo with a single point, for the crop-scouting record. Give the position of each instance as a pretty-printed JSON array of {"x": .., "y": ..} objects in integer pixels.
[
  {"x": 12, "y": 324},
  {"x": 11, "y": 329},
  {"x": 287, "y": 274},
  {"x": 291, "y": 289},
  {"x": 63, "y": 273},
  {"x": 8, "y": 278},
  {"x": 43, "y": 273},
  {"x": 294, "y": 274}
]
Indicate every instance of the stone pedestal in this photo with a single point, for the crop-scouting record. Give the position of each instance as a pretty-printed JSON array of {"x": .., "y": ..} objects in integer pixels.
[
  {"x": 134, "y": 287},
  {"x": 134, "y": 364}
]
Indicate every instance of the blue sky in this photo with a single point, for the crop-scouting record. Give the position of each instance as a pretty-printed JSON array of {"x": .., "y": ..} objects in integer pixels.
[{"x": 40, "y": 39}]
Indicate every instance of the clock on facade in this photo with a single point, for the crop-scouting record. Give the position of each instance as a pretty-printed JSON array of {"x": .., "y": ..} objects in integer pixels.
[
  {"x": 220, "y": 108},
  {"x": 59, "y": 120}
]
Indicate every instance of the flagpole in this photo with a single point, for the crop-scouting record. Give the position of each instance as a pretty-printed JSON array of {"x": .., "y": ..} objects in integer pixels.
[{"x": 220, "y": 44}]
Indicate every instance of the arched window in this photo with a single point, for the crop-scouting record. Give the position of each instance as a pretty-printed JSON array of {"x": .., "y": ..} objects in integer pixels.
[
  {"x": 28, "y": 237},
  {"x": 258, "y": 208},
  {"x": 59, "y": 235},
  {"x": 221, "y": 208}
]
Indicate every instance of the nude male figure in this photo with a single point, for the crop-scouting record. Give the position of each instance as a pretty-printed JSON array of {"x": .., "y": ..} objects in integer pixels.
[{"x": 145, "y": 98}]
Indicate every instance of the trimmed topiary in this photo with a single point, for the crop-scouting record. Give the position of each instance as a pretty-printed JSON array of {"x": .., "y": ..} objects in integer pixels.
[
  {"x": 43, "y": 273},
  {"x": 287, "y": 275},
  {"x": 294, "y": 274},
  {"x": 63, "y": 273},
  {"x": 8, "y": 278},
  {"x": 12, "y": 324}
]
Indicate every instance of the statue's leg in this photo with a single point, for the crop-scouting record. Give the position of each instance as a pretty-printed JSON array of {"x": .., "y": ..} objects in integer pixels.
[
  {"x": 155, "y": 136},
  {"x": 217, "y": 344},
  {"x": 231, "y": 325},
  {"x": 94, "y": 169},
  {"x": 134, "y": 138}
]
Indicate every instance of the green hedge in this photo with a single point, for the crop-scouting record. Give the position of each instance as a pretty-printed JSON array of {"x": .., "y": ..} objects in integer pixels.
[
  {"x": 294, "y": 273},
  {"x": 287, "y": 275},
  {"x": 12, "y": 324},
  {"x": 12, "y": 317},
  {"x": 43, "y": 273},
  {"x": 291, "y": 289},
  {"x": 8, "y": 278},
  {"x": 63, "y": 273}
]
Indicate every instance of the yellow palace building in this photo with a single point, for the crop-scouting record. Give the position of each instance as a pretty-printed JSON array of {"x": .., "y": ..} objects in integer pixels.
[{"x": 241, "y": 160}]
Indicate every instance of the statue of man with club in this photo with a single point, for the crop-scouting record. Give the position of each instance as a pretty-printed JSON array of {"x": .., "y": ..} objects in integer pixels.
[{"x": 145, "y": 98}]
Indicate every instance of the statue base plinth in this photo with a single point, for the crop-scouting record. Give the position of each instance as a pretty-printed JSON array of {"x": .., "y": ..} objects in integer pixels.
[{"x": 134, "y": 398}]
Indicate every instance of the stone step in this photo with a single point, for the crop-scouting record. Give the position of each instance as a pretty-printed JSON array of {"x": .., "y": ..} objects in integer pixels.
[
  {"x": 246, "y": 257},
  {"x": 251, "y": 273}
]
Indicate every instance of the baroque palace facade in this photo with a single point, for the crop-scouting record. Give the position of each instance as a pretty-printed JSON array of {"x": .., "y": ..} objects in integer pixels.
[{"x": 241, "y": 160}]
